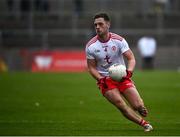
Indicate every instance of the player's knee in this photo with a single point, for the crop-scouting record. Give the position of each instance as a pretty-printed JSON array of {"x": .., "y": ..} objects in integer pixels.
[
  {"x": 137, "y": 107},
  {"x": 138, "y": 104}
]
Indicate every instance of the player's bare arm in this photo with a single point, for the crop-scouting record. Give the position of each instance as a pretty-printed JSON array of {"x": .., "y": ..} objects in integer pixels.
[
  {"x": 91, "y": 63},
  {"x": 130, "y": 60}
]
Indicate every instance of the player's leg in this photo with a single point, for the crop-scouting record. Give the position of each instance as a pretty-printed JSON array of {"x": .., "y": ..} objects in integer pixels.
[
  {"x": 113, "y": 95},
  {"x": 116, "y": 98},
  {"x": 134, "y": 99}
]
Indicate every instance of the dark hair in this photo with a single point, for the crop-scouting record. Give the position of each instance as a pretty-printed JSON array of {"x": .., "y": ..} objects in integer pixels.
[{"x": 102, "y": 15}]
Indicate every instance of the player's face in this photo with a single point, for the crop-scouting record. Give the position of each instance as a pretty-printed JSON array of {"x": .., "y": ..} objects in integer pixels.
[{"x": 101, "y": 26}]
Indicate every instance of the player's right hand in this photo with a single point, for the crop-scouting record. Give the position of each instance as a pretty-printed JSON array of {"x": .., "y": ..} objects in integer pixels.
[{"x": 102, "y": 82}]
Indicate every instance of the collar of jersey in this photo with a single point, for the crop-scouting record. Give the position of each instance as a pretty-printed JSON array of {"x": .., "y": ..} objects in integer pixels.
[{"x": 102, "y": 41}]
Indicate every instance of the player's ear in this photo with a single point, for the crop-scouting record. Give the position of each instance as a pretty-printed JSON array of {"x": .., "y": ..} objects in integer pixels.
[{"x": 108, "y": 24}]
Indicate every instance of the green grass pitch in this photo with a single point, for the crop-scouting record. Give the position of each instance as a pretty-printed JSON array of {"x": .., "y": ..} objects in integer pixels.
[{"x": 71, "y": 104}]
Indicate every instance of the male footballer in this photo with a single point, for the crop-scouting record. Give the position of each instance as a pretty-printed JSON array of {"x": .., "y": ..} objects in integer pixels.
[{"x": 104, "y": 50}]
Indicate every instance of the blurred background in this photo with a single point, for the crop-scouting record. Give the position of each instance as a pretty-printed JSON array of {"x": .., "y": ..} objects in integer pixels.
[{"x": 50, "y": 35}]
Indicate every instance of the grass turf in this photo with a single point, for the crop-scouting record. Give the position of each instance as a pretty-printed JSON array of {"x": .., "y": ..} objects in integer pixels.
[{"x": 71, "y": 104}]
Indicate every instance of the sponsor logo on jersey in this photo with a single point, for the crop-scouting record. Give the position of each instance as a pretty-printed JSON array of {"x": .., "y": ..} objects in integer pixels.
[{"x": 97, "y": 50}]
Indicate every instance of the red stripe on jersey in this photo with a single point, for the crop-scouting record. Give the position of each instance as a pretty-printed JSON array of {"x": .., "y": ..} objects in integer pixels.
[
  {"x": 115, "y": 36},
  {"x": 91, "y": 41}
]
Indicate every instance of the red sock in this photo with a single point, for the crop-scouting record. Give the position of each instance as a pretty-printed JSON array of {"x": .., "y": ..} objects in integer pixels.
[{"x": 143, "y": 122}]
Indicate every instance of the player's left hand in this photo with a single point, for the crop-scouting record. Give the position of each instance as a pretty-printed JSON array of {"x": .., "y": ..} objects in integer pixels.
[{"x": 129, "y": 74}]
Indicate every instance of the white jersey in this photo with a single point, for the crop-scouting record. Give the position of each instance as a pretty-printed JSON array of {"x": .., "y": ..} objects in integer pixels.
[{"x": 106, "y": 53}]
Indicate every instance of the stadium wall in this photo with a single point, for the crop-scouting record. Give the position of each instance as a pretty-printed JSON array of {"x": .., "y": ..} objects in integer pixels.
[{"x": 167, "y": 58}]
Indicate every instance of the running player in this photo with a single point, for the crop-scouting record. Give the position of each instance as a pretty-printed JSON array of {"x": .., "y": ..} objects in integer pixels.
[{"x": 102, "y": 51}]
